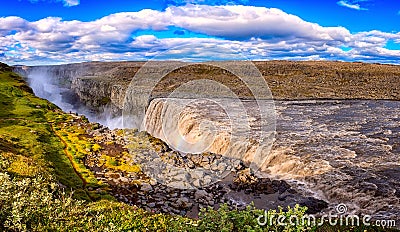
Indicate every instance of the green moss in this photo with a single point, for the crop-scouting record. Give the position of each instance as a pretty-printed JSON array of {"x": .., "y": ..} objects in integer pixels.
[
  {"x": 36, "y": 139},
  {"x": 26, "y": 131},
  {"x": 118, "y": 163},
  {"x": 96, "y": 147},
  {"x": 77, "y": 148},
  {"x": 112, "y": 161},
  {"x": 24, "y": 166}
]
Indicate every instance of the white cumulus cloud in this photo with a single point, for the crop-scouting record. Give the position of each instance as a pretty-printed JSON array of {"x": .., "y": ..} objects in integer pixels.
[
  {"x": 256, "y": 32},
  {"x": 70, "y": 2},
  {"x": 351, "y": 4},
  {"x": 241, "y": 22}
]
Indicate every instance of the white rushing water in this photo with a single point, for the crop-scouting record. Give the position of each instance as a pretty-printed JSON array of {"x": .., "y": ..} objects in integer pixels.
[
  {"x": 48, "y": 86},
  {"x": 342, "y": 151}
]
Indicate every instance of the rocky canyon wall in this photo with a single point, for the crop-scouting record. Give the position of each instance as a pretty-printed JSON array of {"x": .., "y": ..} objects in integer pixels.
[{"x": 99, "y": 83}]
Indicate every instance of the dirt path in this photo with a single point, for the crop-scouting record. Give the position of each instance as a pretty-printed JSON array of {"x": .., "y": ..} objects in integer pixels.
[{"x": 70, "y": 157}]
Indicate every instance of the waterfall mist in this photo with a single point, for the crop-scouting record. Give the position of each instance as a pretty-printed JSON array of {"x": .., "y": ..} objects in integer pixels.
[{"x": 57, "y": 89}]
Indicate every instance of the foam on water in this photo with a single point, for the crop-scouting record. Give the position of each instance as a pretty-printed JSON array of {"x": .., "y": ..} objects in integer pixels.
[
  {"x": 342, "y": 151},
  {"x": 352, "y": 136}
]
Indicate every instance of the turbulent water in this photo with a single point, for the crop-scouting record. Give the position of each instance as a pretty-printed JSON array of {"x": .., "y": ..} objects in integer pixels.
[
  {"x": 221, "y": 126},
  {"x": 359, "y": 140},
  {"x": 340, "y": 151}
]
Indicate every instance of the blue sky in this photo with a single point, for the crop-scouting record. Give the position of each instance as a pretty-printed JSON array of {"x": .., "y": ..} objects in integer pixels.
[{"x": 64, "y": 31}]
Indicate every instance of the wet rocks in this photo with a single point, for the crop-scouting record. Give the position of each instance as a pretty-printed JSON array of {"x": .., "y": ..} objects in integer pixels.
[
  {"x": 200, "y": 194},
  {"x": 145, "y": 187},
  {"x": 313, "y": 205},
  {"x": 187, "y": 192}
]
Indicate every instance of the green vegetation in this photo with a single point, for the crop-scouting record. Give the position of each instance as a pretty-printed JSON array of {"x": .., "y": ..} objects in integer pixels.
[
  {"x": 26, "y": 134},
  {"x": 41, "y": 161},
  {"x": 119, "y": 163},
  {"x": 77, "y": 147}
]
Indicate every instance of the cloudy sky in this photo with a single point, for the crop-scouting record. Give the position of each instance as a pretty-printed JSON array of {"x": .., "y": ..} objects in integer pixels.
[{"x": 64, "y": 31}]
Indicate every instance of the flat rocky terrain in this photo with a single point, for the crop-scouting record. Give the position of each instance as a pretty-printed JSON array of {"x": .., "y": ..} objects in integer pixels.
[
  {"x": 349, "y": 141},
  {"x": 100, "y": 83}
]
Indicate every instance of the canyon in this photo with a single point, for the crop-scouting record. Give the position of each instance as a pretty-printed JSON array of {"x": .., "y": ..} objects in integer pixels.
[
  {"x": 332, "y": 132},
  {"x": 101, "y": 83}
]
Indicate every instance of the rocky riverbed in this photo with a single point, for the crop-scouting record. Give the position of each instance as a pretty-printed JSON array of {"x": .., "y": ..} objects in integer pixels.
[
  {"x": 238, "y": 189},
  {"x": 343, "y": 150}
]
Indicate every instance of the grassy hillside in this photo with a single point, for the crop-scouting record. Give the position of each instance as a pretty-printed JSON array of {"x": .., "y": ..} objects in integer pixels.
[
  {"x": 27, "y": 137},
  {"x": 41, "y": 152},
  {"x": 39, "y": 167}
]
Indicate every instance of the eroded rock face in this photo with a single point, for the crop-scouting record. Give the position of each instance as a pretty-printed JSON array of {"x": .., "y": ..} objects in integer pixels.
[
  {"x": 286, "y": 79},
  {"x": 98, "y": 92},
  {"x": 96, "y": 84},
  {"x": 57, "y": 74},
  {"x": 344, "y": 150}
]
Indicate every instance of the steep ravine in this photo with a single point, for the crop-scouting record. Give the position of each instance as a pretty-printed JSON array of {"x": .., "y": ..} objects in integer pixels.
[
  {"x": 76, "y": 88},
  {"x": 237, "y": 189},
  {"x": 79, "y": 82},
  {"x": 343, "y": 150},
  {"x": 97, "y": 83}
]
